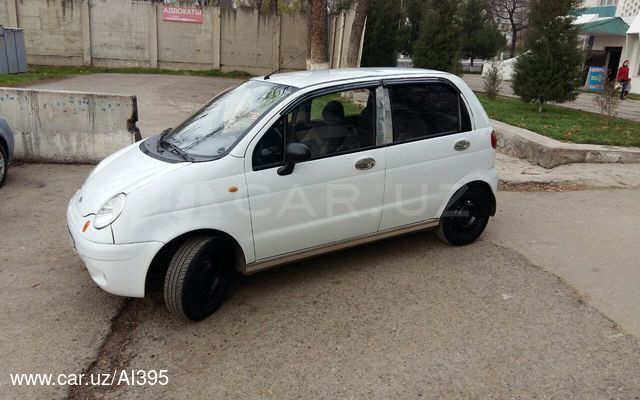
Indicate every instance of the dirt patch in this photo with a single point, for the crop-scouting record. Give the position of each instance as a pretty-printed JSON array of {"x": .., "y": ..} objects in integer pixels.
[
  {"x": 113, "y": 355},
  {"x": 546, "y": 187}
]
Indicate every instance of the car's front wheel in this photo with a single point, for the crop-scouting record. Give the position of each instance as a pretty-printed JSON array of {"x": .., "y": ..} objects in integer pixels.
[
  {"x": 198, "y": 277},
  {"x": 465, "y": 217},
  {"x": 4, "y": 165}
]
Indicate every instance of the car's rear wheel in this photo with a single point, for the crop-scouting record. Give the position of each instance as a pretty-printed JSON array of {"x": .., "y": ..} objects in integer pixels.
[
  {"x": 4, "y": 165},
  {"x": 198, "y": 277},
  {"x": 465, "y": 217}
]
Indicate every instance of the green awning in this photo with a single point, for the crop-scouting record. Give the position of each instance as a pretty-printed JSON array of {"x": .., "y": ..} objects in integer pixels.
[
  {"x": 606, "y": 26},
  {"x": 602, "y": 11}
]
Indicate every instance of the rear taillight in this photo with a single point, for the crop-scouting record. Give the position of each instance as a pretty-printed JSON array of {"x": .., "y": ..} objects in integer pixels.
[{"x": 494, "y": 140}]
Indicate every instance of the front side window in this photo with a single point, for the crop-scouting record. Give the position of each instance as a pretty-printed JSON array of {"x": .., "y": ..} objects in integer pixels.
[
  {"x": 329, "y": 124},
  {"x": 269, "y": 151},
  {"x": 426, "y": 110},
  {"x": 215, "y": 128}
]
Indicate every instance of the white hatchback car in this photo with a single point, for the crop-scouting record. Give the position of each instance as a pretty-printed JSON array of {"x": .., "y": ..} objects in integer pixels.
[{"x": 281, "y": 168}]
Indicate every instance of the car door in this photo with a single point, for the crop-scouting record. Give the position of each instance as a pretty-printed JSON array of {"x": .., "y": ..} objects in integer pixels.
[
  {"x": 429, "y": 150},
  {"x": 334, "y": 196}
]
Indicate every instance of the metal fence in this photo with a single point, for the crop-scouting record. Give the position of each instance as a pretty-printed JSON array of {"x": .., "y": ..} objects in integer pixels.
[
  {"x": 466, "y": 67},
  {"x": 404, "y": 63},
  {"x": 472, "y": 69}
]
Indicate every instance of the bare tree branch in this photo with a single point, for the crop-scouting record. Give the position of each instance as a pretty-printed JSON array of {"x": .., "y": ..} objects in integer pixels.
[{"x": 513, "y": 12}]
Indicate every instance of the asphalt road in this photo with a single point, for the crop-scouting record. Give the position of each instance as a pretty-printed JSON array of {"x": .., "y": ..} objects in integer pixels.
[
  {"x": 542, "y": 306},
  {"x": 545, "y": 305}
]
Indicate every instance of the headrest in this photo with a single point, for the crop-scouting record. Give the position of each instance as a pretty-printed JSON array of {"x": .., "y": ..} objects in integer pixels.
[{"x": 333, "y": 112}]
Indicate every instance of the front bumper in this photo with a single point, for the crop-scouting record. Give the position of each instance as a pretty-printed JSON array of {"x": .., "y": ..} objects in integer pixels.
[{"x": 119, "y": 269}]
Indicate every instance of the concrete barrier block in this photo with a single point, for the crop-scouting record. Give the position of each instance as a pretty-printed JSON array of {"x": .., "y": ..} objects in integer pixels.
[{"x": 68, "y": 127}]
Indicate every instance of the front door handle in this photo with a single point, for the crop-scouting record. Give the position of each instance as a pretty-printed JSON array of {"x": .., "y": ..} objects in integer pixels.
[
  {"x": 365, "y": 163},
  {"x": 462, "y": 145}
]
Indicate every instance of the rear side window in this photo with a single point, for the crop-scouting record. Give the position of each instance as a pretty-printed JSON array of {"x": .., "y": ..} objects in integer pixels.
[{"x": 426, "y": 110}]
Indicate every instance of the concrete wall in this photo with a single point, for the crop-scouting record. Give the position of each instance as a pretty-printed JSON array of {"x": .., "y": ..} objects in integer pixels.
[
  {"x": 247, "y": 40},
  {"x": 120, "y": 33},
  {"x": 600, "y": 42},
  {"x": 507, "y": 68},
  {"x": 72, "y": 127},
  {"x": 293, "y": 41},
  {"x": 189, "y": 46},
  {"x": 6, "y": 12},
  {"x": 52, "y": 30},
  {"x": 632, "y": 53}
]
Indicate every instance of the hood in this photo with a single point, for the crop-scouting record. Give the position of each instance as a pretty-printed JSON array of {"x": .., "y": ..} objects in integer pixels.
[{"x": 122, "y": 172}]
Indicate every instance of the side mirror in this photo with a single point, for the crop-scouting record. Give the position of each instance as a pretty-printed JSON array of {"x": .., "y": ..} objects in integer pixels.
[{"x": 296, "y": 153}]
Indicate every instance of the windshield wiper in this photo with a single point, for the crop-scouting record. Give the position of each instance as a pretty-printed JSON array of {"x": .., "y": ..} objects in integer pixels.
[
  {"x": 161, "y": 139},
  {"x": 172, "y": 147},
  {"x": 177, "y": 150},
  {"x": 205, "y": 137}
]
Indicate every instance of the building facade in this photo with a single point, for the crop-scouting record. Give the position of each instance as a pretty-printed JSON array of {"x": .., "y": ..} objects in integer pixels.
[{"x": 610, "y": 33}]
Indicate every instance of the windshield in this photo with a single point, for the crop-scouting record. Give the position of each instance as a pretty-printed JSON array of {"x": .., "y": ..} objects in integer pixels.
[{"x": 216, "y": 127}]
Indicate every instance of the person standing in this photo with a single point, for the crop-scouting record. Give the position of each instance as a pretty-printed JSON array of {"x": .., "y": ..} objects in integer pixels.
[{"x": 623, "y": 78}]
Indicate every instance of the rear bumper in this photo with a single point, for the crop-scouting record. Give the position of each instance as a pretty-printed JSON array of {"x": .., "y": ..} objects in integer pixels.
[
  {"x": 492, "y": 179},
  {"x": 119, "y": 269}
]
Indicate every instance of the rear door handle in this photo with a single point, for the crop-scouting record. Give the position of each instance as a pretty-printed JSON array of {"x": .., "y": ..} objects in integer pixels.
[
  {"x": 462, "y": 145},
  {"x": 365, "y": 163}
]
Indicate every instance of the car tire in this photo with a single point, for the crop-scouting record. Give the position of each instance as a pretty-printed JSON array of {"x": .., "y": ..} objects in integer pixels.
[
  {"x": 465, "y": 217},
  {"x": 198, "y": 277},
  {"x": 4, "y": 165}
]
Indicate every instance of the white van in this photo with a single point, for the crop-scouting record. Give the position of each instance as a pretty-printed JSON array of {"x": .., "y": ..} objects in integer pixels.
[{"x": 281, "y": 168}]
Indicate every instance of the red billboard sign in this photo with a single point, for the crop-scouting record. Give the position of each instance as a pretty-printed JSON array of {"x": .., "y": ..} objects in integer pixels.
[{"x": 182, "y": 14}]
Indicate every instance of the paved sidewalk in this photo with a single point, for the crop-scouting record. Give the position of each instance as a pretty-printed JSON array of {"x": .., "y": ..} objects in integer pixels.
[{"x": 628, "y": 109}]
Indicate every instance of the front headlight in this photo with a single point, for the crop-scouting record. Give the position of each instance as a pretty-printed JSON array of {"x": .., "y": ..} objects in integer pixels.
[{"x": 109, "y": 212}]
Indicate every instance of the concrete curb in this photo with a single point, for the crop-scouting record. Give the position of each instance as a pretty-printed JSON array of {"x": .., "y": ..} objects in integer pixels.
[{"x": 550, "y": 153}]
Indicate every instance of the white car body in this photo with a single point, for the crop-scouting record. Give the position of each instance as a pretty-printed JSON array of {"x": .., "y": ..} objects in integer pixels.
[{"x": 166, "y": 201}]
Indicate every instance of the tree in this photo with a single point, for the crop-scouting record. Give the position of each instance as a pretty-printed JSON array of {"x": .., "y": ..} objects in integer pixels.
[
  {"x": 317, "y": 47},
  {"x": 356, "y": 32},
  {"x": 481, "y": 37},
  {"x": 337, "y": 6},
  {"x": 550, "y": 70},
  {"x": 608, "y": 101},
  {"x": 439, "y": 43},
  {"x": 224, "y": 3},
  {"x": 492, "y": 81},
  {"x": 409, "y": 25},
  {"x": 273, "y": 6},
  {"x": 512, "y": 12},
  {"x": 380, "y": 38}
]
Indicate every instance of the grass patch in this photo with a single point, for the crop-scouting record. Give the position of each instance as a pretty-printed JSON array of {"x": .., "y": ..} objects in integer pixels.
[
  {"x": 351, "y": 108},
  {"x": 633, "y": 96},
  {"x": 41, "y": 72},
  {"x": 562, "y": 123}
]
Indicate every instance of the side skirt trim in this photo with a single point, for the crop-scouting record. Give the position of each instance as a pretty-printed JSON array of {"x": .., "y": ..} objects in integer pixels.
[{"x": 287, "y": 258}]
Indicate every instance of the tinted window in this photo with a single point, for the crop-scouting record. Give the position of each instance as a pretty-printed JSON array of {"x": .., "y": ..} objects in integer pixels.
[
  {"x": 330, "y": 124},
  {"x": 269, "y": 151},
  {"x": 426, "y": 110}
]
